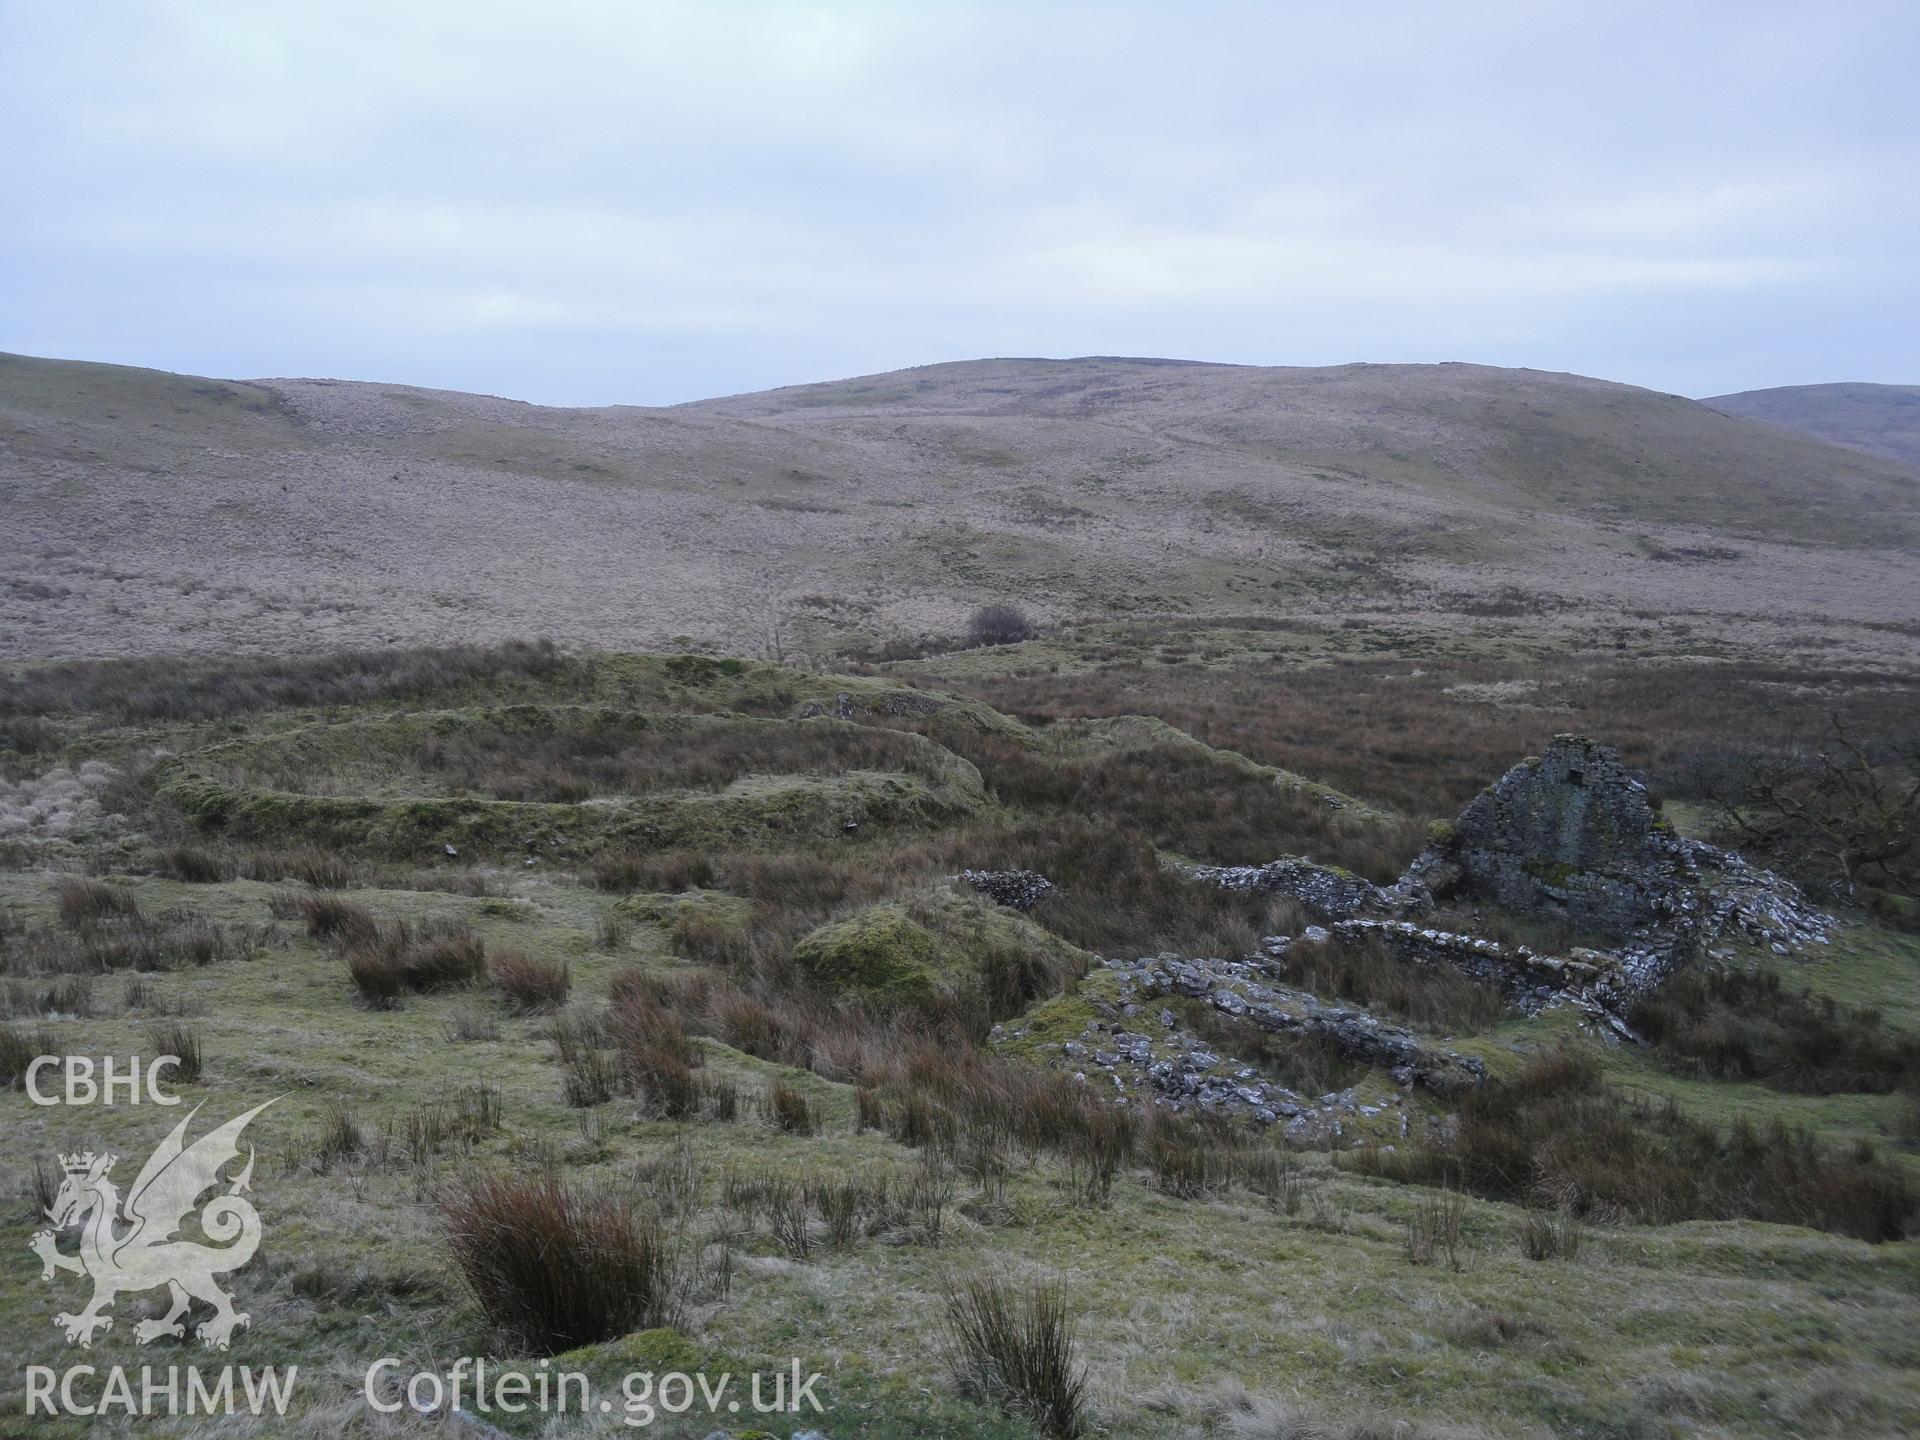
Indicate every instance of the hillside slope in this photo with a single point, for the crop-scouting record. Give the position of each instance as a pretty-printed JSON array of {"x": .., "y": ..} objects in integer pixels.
[
  {"x": 1879, "y": 419},
  {"x": 153, "y": 512}
]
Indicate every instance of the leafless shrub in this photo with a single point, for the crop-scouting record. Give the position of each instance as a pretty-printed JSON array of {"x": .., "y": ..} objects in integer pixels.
[
  {"x": 1015, "y": 1345},
  {"x": 88, "y": 905},
  {"x": 1842, "y": 814},
  {"x": 20, "y": 1047},
  {"x": 170, "y": 1037},
  {"x": 1550, "y": 1235},
  {"x": 328, "y": 917},
  {"x": 320, "y": 869},
  {"x": 472, "y": 1022},
  {"x": 196, "y": 865},
  {"x": 998, "y": 624},
  {"x": 787, "y": 1109},
  {"x": 1433, "y": 1231},
  {"x": 529, "y": 985},
  {"x": 560, "y": 1267}
]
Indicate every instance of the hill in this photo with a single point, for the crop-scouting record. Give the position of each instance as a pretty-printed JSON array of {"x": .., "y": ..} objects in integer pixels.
[
  {"x": 155, "y": 512},
  {"x": 1879, "y": 419}
]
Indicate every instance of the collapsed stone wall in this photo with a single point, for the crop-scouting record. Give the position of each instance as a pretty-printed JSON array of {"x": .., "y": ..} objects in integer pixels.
[
  {"x": 1322, "y": 890},
  {"x": 1137, "y": 1049},
  {"x": 1593, "y": 981},
  {"x": 1015, "y": 889}
]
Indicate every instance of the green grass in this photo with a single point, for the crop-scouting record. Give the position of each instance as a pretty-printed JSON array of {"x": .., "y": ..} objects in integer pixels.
[
  {"x": 1178, "y": 1295},
  {"x": 1718, "y": 1329}
]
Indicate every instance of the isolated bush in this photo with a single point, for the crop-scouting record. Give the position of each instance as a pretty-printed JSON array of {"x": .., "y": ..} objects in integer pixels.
[
  {"x": 170, "y": 1037},
  {"x": 328, "y": 917},
  {"x": 528, "y": 984},
  {"x": 559, "y": 1267},
  {"x": 195, "y": 865},
  {"x": 87, "y": 905},
  {"x": 788, "y": 1109},
  {"x": 998, "y": 624},
  {"x": 396, "y": 959},
  {"x": 19, "y": 1047},
  {"x": 377, "y": 974},
  {"x": 1014, "y": 1345},
  {"x": 1550, "y": 1235}
]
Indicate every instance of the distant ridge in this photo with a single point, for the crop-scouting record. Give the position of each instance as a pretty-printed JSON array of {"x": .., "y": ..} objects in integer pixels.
[
  {"x": 150, "y": 512},
  {"x": 1879, "y": 419}
]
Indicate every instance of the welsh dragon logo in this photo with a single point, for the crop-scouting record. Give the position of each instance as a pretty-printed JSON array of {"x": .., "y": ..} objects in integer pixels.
[{"x": 145, "y": 1255}]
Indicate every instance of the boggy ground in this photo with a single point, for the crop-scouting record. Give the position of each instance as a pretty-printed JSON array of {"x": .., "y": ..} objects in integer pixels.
[{"x": 768, "y": 1023}]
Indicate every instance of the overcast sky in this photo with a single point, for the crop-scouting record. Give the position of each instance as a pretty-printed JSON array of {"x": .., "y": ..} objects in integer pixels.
[{"x": 588, "y": 203}]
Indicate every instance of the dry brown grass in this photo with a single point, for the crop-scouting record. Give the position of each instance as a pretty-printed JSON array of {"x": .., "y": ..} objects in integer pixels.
[
  {"x": 577, "y": 764},
  {"x": 398, "y": 958},
  {"x": 1415, "y": 739},
  {"x": 558, "y": 1266},
  {"x": 1733, "y": 1025},
  {"x": 1556, "y": 1134},
  {"x": 528, "y": 984},
  {"x": 1364, "y": 970}
]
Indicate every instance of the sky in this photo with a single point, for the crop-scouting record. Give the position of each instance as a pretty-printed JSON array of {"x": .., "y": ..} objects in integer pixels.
[{"x": 642, "y": 203}]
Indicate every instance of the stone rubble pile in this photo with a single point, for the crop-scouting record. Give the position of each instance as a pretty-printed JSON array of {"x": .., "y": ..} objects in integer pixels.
[
  {"x": 845, "y": 707},
  {"x": 1138, "y": 1049},
  {"x": 1016, "y": 889},
  {"x": 1323, "y": 890}
]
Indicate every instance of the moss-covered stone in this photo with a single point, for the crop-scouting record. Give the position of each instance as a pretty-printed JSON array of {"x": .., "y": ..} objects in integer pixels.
[
  {"x": 713, "y": 908},
  {"x": 1548, "y": 871},
  {"x": 881, "y": 955}
]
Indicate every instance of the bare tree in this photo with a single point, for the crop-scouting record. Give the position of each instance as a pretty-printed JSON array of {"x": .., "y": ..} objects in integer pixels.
[
  {"x": 1846, "y": 814},
  {"x": 998, "y": 624},
  {"x": 771, "y": 618}
]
